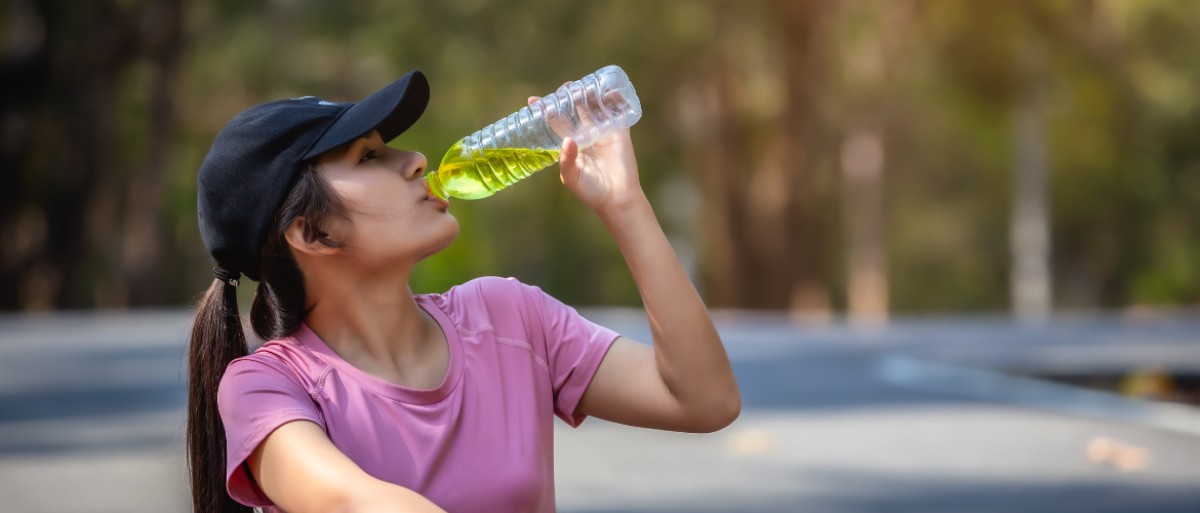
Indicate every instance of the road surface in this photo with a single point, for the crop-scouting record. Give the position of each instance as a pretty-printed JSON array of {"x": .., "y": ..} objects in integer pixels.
[{"x": 926, "y": 415}]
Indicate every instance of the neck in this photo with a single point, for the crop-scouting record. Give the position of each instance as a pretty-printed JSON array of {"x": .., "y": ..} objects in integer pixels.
[{"x": 368, "y": 316}]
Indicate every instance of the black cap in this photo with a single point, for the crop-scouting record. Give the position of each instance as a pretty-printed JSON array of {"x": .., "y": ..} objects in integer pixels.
[{"x": 256, "y": 159}]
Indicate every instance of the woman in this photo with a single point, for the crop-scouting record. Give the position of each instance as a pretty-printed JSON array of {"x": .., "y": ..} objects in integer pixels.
[{"x": 367, "y": 397}]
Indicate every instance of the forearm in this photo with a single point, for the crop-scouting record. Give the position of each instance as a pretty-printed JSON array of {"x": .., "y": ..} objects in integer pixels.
[
  {"x": 689, "y": 354},
  {"x": 301, "y": 470},
  {"x": 384, "y": 497}
]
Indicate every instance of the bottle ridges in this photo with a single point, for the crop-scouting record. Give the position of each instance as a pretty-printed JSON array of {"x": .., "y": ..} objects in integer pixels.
[{"x": 482, "y": 173}]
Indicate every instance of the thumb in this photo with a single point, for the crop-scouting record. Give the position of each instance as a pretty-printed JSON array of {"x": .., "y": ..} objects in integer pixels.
[{"x": 566, "y": 159}]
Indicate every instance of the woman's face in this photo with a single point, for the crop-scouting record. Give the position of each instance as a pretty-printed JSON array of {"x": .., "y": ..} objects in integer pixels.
[{"x": 391, "y": 215}]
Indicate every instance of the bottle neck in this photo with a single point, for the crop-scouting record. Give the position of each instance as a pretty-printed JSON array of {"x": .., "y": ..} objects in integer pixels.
[{"x": 434, "y": 181}]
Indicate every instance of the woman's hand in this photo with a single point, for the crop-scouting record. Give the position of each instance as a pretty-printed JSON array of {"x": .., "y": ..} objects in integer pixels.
[{"x": 604, "y": 176}]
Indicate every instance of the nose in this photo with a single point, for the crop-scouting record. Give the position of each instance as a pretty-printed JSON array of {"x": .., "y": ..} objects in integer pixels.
[{"x": 416, "y": 166}]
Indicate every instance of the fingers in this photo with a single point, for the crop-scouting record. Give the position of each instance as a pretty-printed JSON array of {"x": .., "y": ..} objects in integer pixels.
[
  {"x": 566, "y": 161},
  {"x": 569, "y": 151}
]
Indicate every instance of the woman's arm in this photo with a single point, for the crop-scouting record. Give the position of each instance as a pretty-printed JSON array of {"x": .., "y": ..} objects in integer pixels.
[
  {"x": 301, "y": 471},
  {"x": 684, "y": 382}
]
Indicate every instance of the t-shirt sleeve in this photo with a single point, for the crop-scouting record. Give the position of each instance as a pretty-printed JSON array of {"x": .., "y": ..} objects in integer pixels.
[
  {"x": 255, "y": 398},
  {"x": 575, "y": 347}
]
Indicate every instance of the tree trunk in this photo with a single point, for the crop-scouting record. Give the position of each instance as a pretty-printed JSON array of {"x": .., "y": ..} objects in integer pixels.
[
  {"x": 1030, "y": 226},
  {"x": 143, "y": 248},
  {"x": 77, "y": 217},
  {"x": 863, "y": 159},
  {"x": 765, "y": 224}
]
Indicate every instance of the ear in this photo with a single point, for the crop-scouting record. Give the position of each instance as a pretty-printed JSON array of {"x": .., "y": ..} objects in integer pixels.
[{"x": 295, "y": 238}]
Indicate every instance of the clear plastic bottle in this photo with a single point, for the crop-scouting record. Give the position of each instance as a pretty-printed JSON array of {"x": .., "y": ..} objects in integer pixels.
[{"x": 499, "y": 155}]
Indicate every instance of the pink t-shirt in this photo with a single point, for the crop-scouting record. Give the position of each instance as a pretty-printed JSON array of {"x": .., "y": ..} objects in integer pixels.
[{"x": 481, "y": 442}]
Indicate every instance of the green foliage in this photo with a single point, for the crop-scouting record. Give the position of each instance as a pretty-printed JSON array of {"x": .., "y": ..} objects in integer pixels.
[{"x": 1118, "y": 80}]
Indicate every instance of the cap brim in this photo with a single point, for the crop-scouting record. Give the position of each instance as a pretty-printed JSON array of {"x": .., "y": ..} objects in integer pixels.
[{"x": 391, "y": 110}]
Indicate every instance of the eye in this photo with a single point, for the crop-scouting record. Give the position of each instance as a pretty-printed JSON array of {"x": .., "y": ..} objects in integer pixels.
[{"x": 369, "y": 154}]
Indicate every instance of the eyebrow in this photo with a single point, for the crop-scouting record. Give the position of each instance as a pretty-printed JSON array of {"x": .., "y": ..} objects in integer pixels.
[{"x": 346, "y": 147}]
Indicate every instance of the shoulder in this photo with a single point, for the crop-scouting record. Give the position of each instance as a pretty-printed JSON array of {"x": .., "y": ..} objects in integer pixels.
[
  {"x": 491, "y": 293},
  {"x": 491, "y": 287},
  {"x": 277, "y": 365},
  {"x": 492, "y": 303}
]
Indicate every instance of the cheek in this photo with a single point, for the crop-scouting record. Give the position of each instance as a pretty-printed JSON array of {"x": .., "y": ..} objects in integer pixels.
[
  {"x": 379, "y": 239},
  {"x": 372, "y": 200}
]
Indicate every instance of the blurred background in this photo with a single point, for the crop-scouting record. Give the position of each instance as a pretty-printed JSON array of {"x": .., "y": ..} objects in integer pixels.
[
  {"x": 981, "y": 209},
  {"x": 824, "y": 157}
]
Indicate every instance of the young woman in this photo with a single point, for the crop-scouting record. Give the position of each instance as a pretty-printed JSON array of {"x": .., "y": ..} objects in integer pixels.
[{"x": 368, "y": 397}]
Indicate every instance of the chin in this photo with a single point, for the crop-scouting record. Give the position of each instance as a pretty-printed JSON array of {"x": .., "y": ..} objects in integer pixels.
[{"x": 444, "y": 238}]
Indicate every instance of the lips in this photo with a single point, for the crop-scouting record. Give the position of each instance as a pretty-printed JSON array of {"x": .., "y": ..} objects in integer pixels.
[{"x": 441, "y": 203}]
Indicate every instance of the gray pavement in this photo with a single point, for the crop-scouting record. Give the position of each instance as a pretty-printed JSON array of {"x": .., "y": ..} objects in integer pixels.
[{"x": 927, "y": 415}]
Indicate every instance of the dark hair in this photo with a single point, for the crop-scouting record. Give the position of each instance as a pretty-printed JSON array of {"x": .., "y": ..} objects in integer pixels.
[{"x": 217, "y": 336}]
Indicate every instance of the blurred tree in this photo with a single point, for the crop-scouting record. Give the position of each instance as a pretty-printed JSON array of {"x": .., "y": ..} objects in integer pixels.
[
  {"x": 870, "y": 61},
  {"x": 1029, "y": 233},
  {"x": 82, "y": 155},
  {"x": 822, "y": 155},
  {"x": 756, "y": 129}
]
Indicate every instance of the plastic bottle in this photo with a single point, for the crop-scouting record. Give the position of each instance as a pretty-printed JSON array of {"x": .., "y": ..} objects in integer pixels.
[{"x": 499, "y": 155}]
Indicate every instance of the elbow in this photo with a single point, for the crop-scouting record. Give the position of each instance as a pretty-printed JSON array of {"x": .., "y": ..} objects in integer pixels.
[
  {"x": 730, "y": 412},
  {"x": 720, "y": 415}
]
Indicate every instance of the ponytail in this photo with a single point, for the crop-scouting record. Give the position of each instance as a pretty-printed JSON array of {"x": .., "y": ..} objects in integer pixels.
[{"x": 217, "y": 339}]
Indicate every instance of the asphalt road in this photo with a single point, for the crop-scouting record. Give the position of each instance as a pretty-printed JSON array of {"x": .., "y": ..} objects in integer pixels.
[{"x": 927, "y": 415}]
